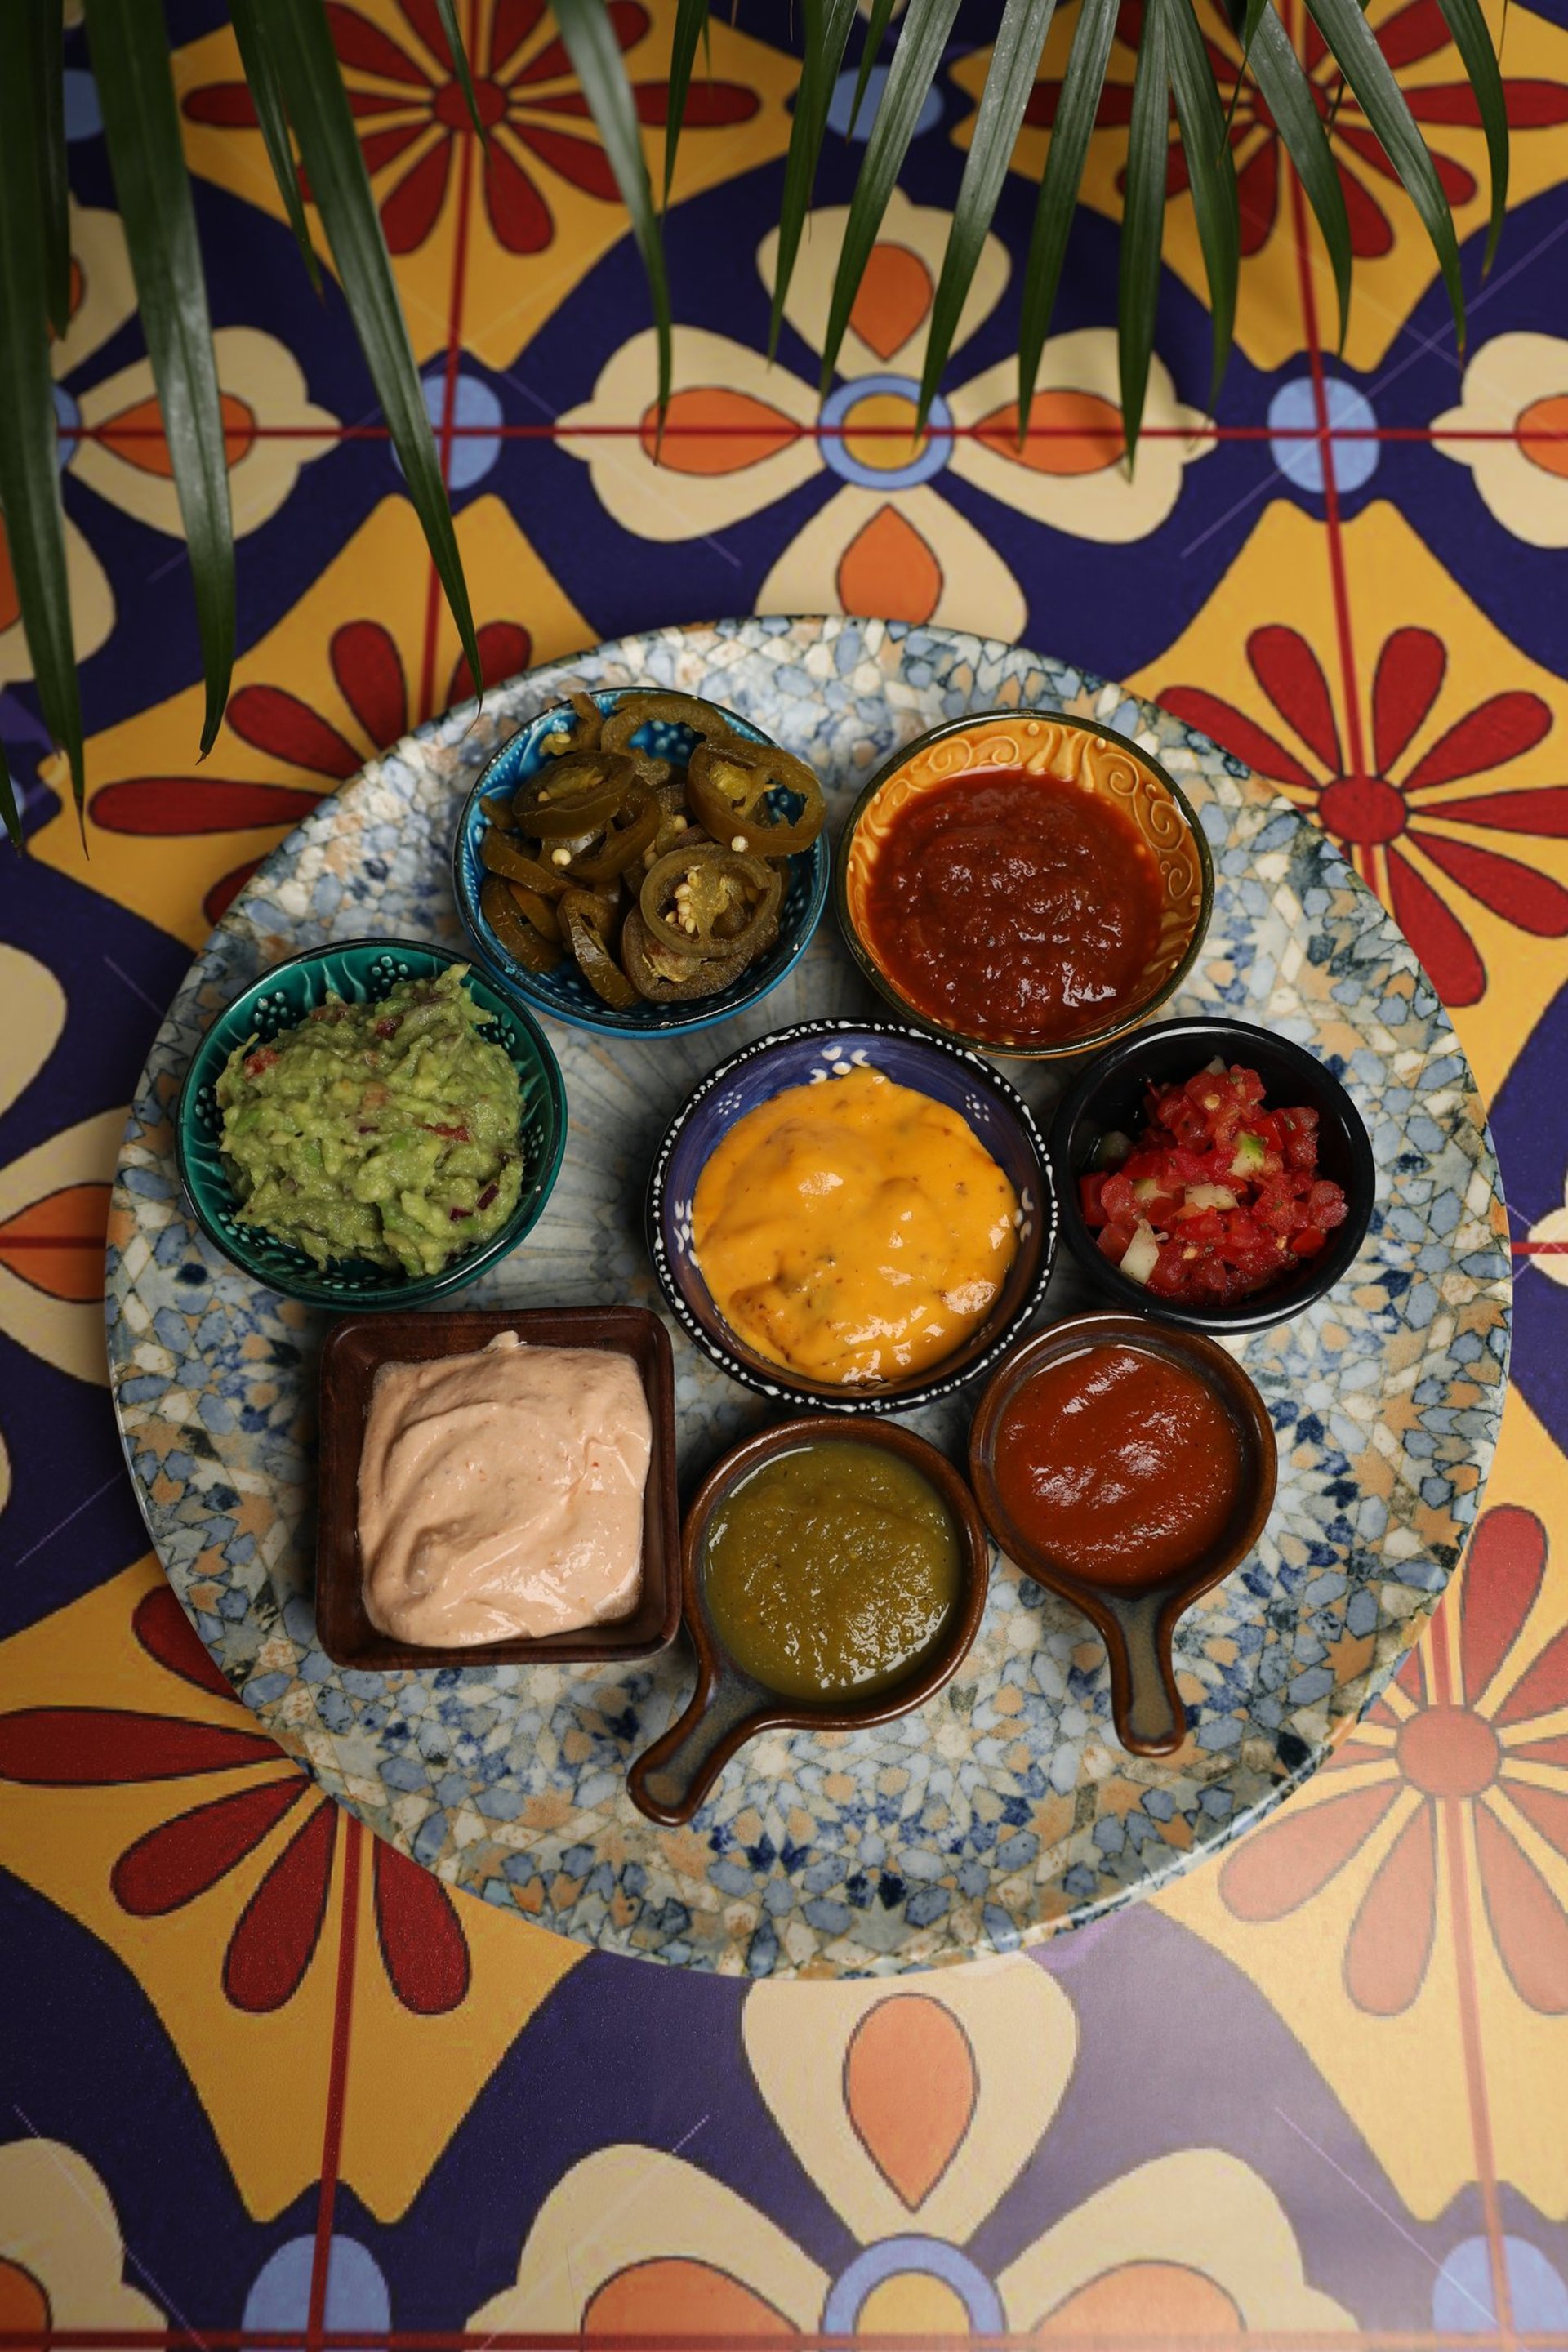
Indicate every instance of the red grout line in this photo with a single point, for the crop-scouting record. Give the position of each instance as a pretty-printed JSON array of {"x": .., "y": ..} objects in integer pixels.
[
  {"x": 1452, "y": 1810},
  {"x": 285, "y": 2339},
  {"x": 337, "y": 2086},
  {"x": 787, "y": 432},
  {"x": 1519, "y": 1249}
]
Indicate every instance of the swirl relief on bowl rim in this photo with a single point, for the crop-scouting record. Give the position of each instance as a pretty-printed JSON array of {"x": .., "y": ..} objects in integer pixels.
[{"x": 1075, "y": 754}]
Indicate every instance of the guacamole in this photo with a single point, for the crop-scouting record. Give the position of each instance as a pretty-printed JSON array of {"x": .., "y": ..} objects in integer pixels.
[{"x": 388, "y": 1131}]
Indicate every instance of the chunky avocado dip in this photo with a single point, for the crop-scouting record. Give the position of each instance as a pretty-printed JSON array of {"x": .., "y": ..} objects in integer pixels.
[{"x": 386, "y": 1131}]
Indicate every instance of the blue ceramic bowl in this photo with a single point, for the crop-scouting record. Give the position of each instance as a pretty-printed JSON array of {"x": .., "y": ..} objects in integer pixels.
[
  {"x": 564, "y": 993},
  {"x": 813, "y": 1050},
  {"x": 361, "y": 972}
]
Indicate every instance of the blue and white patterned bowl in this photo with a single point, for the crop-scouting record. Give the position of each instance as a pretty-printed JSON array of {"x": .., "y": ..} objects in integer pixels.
[
  {"x": 564, "y": 993},
  {"x": 362, "y": 971},
  {"x": 810, "y": 1054}
]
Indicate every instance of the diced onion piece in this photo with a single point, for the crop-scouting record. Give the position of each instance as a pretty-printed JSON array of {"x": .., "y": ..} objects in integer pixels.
[
  {"x": 1215, "y": 1068},
  {"x": 1143, "y": 1252},
  {"x": 1206, "y": 1196}
]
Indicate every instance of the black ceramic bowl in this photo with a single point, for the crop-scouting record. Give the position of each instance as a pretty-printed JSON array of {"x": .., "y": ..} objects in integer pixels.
[{"x": 1109, "y": 1095}]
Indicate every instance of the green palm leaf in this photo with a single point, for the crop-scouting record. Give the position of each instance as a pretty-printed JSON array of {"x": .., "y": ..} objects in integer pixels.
[
  {"x": 871, "y": 50},
  {"x": 130, "y": 46},
  {"x": 690, "y": 26},
  {"x": 29, "y": 449},
  {"x": 250, "y": 35},
  {"x": 1057, "y": 201},
  {"x": 827, "y": 24},
  {"x": 1371, "y": 76},
  {"x": 329, "y": 146},
  {"x": 49, "y": 47},
  {"x": 1288, "y": 94},
  {"x": 1009, "y": 79},
  {"x": 1143, "y": 218},
  {"x": 1211, "y": 175},
  {"x": 447, "y": 11},
  {"x": 921, "y": 41},
  {"x": 587, "y": 28},
  {"x": 1474, "y": 43}
]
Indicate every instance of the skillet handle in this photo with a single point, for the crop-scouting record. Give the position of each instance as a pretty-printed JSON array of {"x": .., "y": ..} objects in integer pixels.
[
  {"x": 669, "y": 1780},
  {"x": 1150, "y": 1717}
]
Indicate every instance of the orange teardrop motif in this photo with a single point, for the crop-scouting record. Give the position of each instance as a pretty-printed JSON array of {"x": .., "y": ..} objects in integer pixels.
[
  {"x": 910, "y": 2086},
  {"x": 887, "y": 572},
  {"x": 895, "y": 295}
]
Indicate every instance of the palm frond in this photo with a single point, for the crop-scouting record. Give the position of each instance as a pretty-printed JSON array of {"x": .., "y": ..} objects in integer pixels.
[
  {"x": 1288, "y": 94},
  {"x": 1211, "y": 176},
  {"x": 1076, "y": 109},
  {"x": 589, "y": 34},
  {"x": 871, "y": 50},
  {"x": 1009, "y": 81},
  {"x": 250, "y": 35},
  {"x": 690, "y": 26},
  {"x": 29, "y": 476},
  {"x": 827, "y": 24},
  {"x": 1143, "y": 219},
  {"x": 328, "y": 147},
  {"x": 141, "y": 130},
  {"x": 923, "y": 38}
]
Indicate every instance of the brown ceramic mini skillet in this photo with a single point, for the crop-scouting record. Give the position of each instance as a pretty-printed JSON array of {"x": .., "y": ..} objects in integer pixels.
[
  {"x": 1136, "y": 1622},
  {"x": 669, "y": 1780}
]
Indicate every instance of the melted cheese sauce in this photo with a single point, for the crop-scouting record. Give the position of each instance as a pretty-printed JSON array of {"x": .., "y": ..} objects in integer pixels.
[{"x": 853, "y": 1232}]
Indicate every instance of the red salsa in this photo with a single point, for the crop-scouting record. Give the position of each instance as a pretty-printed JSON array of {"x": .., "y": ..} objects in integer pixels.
[
  {"x": 1117, "y": 1465},
  {"x": 1216, "y": 1198},
  {"x": 1015, "y": 907}
]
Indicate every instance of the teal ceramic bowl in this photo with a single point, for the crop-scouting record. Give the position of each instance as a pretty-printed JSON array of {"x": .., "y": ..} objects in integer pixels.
[{"x": 361, "y": 972}]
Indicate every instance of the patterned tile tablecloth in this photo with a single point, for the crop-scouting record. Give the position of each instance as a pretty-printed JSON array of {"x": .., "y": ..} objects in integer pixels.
[{"x": 267, "y": 2081}]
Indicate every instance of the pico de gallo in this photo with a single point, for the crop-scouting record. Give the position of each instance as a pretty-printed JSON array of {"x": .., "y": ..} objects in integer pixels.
[{"x": 1215, "y": 1198}]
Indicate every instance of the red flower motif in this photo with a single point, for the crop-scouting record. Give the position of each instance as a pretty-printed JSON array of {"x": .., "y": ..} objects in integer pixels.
[
  {"x": 1382, "y": 818},
  {"x": 1466, "y": 1772},
  {"x": 527, "y": 100},
  {"x": 1412, "y": 33},
  {"x": 368, "y": 669},
  {"x": 423, "y": 1948}
]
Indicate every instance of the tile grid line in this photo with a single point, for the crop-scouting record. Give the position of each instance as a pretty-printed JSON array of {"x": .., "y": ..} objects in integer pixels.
[
  {"x": 458, "y": 2339},
  {"x": 1453, "y": 1818},
  {"x": 787, "y": 433},
  {"x": 1469, "y": 2006},
  {"x": 337, "y": 2085}
]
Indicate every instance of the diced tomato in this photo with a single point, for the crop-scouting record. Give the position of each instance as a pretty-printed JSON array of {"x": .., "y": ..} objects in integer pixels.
[
  {"x": 452, "y": 1134},
  {"x": 1211, "y": 1135},
  {"x": 262, "y": 1059},
  {"x": 1117, "y": 1200}
]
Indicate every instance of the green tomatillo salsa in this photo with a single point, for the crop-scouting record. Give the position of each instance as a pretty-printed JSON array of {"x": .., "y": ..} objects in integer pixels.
[{"x": 387, "y": 1131}]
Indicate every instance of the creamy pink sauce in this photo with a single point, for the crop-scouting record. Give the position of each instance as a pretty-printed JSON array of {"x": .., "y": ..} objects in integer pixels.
[{"x": 501, "y": 1494}]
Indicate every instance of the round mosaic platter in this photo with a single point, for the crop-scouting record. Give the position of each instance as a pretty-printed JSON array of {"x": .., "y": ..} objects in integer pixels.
[{"x": 1005, "y": 1809}]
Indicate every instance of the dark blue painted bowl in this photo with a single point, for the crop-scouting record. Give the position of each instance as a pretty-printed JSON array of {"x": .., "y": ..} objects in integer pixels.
[
  {"x": 815, "y": 1051},
  {"x": 563, "y": 993}
]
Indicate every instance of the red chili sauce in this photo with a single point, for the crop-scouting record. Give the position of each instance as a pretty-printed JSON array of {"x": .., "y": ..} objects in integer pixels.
[
  {"x": 1117, "y": 1465},
  {"x": 1012, "y": 907}
]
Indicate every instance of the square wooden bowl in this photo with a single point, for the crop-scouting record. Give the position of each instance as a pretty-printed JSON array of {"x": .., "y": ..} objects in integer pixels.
[{"x": 355, "y": 1352}]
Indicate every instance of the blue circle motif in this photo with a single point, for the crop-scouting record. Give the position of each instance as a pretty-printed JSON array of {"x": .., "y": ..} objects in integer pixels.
[
  {"x": 843, "y": 98},
  {"x": 357, "y": 2296},
  {"x": 478, "y": 413},
  {"x": 1462, "y": 2300},
  {"x": 929, "y": 2258},
  {"x": 1293, "y": 411},
  {"x": 67, "y": 416},
  {"x": 837, "y": 457}
]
